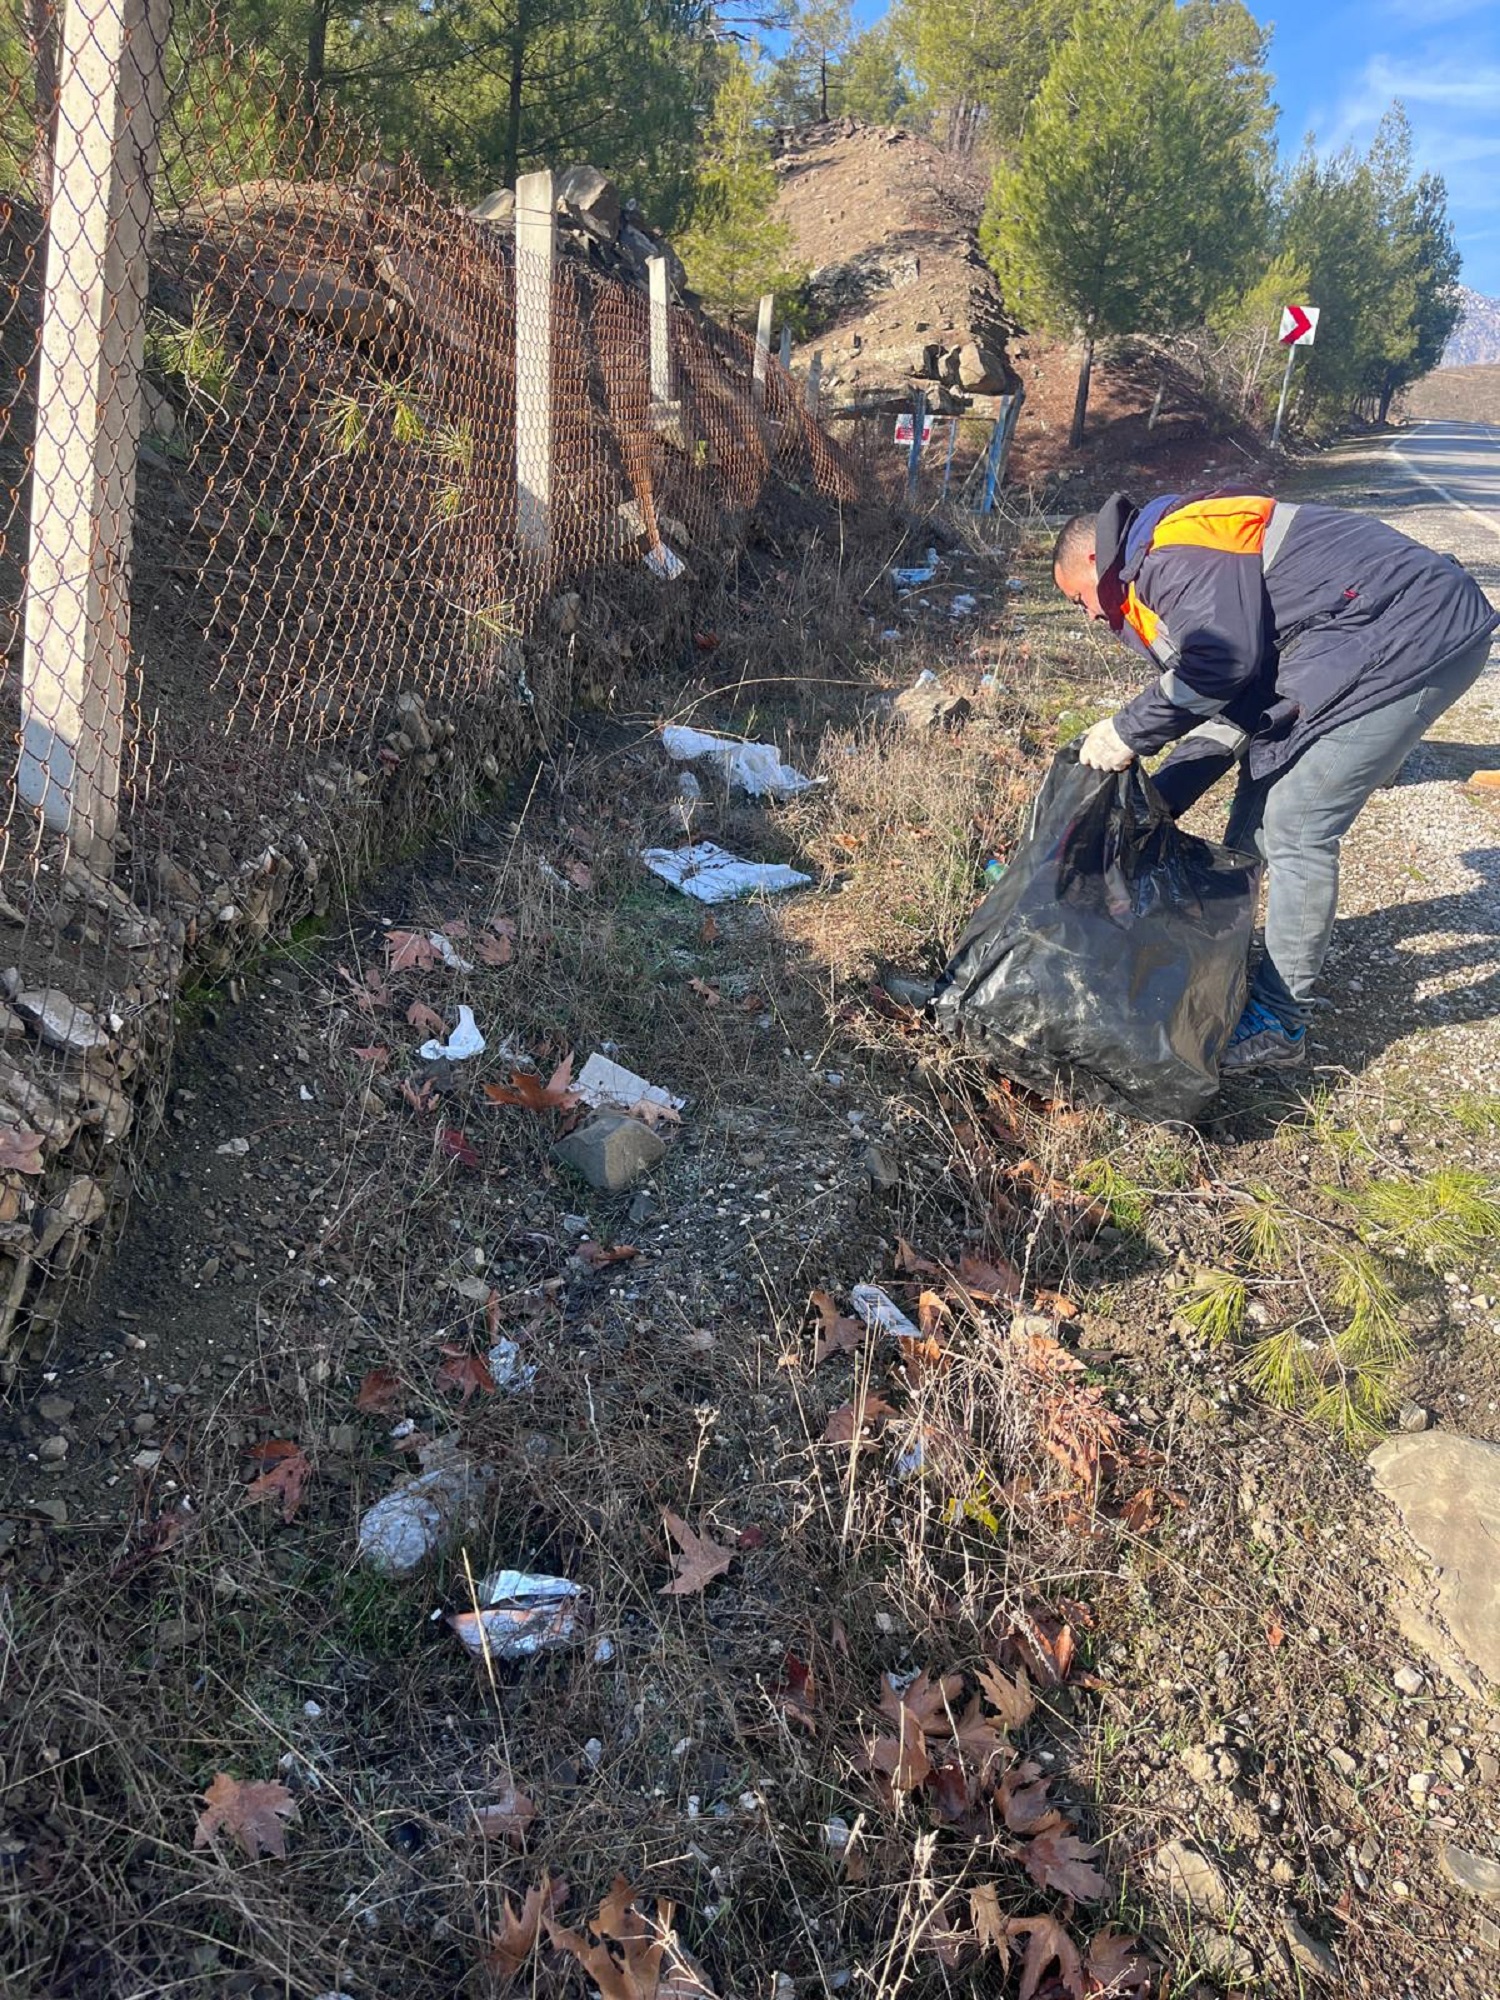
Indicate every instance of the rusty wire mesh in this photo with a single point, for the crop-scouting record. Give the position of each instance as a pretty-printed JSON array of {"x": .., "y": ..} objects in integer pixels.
[{"x": 329, "y": 575}]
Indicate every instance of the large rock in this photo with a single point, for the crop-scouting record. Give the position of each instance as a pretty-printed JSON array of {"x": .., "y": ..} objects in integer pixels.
[
  {"x": 1186, "y": 1874},
  {"x": 1446, "y": 1488},
  {"x": 497, "y": 208},
  {"x": 611, "y": 1150},
  {"x": 981, "y": 373},
  {"x": 591, "y": 198},
  {"x": 1478, "y": 1874}
]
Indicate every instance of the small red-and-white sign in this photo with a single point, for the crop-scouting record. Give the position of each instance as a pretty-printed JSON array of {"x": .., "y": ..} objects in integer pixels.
[
  {"x": 1299, "y": 326},
  {"x": 904, "y": 428}
]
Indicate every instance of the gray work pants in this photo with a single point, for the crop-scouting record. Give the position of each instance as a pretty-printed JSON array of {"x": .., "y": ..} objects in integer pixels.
[{"x": 1297, "y": 818}]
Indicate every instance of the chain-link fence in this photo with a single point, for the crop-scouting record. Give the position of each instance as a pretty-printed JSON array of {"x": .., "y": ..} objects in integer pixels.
[{"x": 299, "y": 467}]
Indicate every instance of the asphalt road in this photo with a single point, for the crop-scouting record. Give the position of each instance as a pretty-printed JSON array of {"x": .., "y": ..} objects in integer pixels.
[{"x": 1459, "y": 464}]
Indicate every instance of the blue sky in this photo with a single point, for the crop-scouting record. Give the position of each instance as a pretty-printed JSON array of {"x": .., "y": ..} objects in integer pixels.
[{"x": 1337, "y": 67}]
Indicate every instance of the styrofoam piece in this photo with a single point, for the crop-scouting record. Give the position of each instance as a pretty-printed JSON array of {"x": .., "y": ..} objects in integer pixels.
[
  {"x": 603, "y": 1082},
  {"x": 521, "y": 1614},
  {"x": 463, "y": 1042},
  {"x": 507, "y": 1369},
  {"x": 876, "y": 1309},
  {"x": 914, "y": 576},
  {"x": 710, "y": 875},
  {"x": 754, "y": 767}
]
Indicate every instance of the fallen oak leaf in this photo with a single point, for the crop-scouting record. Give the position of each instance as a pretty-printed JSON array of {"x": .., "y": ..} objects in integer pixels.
[
  {"x": 252, "y": 1809},
  {"x": 528, "y": 1091},
  {"x": 700, "y": 1561},
  {"x": 512, "y": 1945},
  {"x": 990, "y": 1281},
  {"x": 849, "y": 1422},
  {"x": 579, "y": 874},
  {"x": 464, "y": 1372},
  {"x": 1025, "y": 1807},
  {"x": 840, "y": 1334},
  {"x": 380, "y": 1393},
  {"x": 595, "y": 1257},
  {"x": 456, "y": 1146},
  {"x": 797, "y": 1692},
  {"x": 1117, "y": 1968},
  {"x": 908, "y": 1259},
  {"x": 1058, "y": 1860},
  {"x": 408, "y": 951},
  {"x": 631, "y": 1956},
  {"x": 421, "y": 1099},
  {"x": 376, "y": 1055},
  {"x": 1047, "y": 1944},
  {"x": 507, "y": 1818},
  {"x": 709, "y": 995},
  {"x": 494, "y": 951},
  {"x": 984, "y": 1914},
  {"x": 1012, "y": 1700},
  {"x": 287, "y": 1471},
  {"x": 426, "y": 1020},
  {"x": 652, "y": 1112}
]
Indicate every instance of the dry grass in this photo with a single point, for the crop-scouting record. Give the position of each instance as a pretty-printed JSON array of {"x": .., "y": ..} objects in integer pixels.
[{"x": 1039, "y": 1482}]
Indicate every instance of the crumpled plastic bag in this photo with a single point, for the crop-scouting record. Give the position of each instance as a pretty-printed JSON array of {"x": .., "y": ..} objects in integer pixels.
[
  {"x": 1111, "y": 958},
  {"x": 755, "y": 767}
]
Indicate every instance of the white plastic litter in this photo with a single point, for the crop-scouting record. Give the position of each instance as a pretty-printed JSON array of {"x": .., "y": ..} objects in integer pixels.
[
  {"x": 463, "y": 1042},
  {"x": 875, "y": 1309},
  {"x": 962, "y": 606},
  {"x": 520, "y": 1615},
  {"x": 709, "y": 875},
  {"x": 601, "y": 1082},
  {"x": 664, "y": 562},
  {"x": 415, "y": 1519},
  {"x": 507, "y": 1369},
  {"x": 688, "y": 786},
  {"x": 754, "y": 767},
  {"x": 443, "y": 946},
  {"x": 919, "y": 573}
]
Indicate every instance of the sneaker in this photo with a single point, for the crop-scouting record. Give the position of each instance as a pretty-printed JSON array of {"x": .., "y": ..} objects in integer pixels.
[{"x": 1262, "y": 1040}]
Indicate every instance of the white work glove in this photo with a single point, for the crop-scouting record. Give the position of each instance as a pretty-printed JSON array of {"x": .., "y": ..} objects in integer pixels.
[{"x": 1104, "y": 749}]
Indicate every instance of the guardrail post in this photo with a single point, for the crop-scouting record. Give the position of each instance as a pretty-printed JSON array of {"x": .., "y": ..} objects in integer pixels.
[
  {"x": 663, "y": 389},
  {"x": 813, "y": 394}
]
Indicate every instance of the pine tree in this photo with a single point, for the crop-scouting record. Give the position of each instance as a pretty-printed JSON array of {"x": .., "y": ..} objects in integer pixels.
[
  {"x": 821, "y": 31},
  {"x": 978, "y": 63},
  {"x": 735, "y": 250},
  {"x": 1134, "y": 210},
  {"x": 872, "y": 83}
]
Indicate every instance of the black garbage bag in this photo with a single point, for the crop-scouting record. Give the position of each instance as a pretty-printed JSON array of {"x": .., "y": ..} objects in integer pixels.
[{"x": 1111, "y": 958}]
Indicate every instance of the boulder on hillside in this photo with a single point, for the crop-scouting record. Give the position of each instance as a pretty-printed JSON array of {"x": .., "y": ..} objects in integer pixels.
[
  {"x": 497, "y": 208},
  {"x": 591, "y": 199},
  {"x": 981, "y": 373}
]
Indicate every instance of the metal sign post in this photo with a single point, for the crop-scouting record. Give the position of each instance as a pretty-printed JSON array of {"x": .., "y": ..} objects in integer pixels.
[{"x": 1299, "y": 328}]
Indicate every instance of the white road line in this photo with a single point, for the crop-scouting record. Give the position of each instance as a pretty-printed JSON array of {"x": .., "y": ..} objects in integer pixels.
[{"x": 1485, "y": 520}]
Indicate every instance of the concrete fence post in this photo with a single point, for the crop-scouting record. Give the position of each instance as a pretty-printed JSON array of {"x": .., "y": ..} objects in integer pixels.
[
  {"x": 784, "y": 352},
  {"x": 763, "y": 349},
  {"x": 73, "y": 675},
  {"x": 536, "y": 259},
  {"x": 914, "y": 455},
  {"x": 813, "y": 394},
  {"x": 663, "y": 389}
]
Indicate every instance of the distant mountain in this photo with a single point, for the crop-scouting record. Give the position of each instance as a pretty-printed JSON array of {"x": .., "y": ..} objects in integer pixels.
[{"x": 1476, "y": 338}]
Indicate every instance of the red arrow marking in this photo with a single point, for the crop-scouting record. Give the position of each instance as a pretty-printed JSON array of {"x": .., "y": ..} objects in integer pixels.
[{"x": 1299, "y": 326}]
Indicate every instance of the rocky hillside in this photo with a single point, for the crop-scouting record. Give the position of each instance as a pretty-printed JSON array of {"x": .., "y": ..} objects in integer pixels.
[
  {"x": 887, "y": 224},
  {"x": 1476, "y": 338}
]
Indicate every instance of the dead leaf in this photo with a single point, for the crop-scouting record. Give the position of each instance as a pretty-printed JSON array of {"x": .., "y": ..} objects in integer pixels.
[
  {"x": 596, "y": 1258},
  {"x": 453, "y": 1143},
  {"x": 980, "y": 1741},
  {"x": 1025, "y": 1806},
  {"x": 422, "y": 1099},
  {"x": 1012, "y": 1700},
  {"x": 700, "y": 1561},
  {"x": 927, "y": 1701},
  {"x": 632, "y": 1956},
  {"x": 847, "y": 1421},
  {"x": 380, "y": 1393},
  {"x": 494, "y": 951},
  {"x": 988, "y": 1280},
  {"x": 1275, "y": 1633},
  {"x": 512, "y": 1945},
  {"x": 527, "y": 1089},
  {"x": 1048, "y": 1944},
  {"x": 21, "y": 1150},
  {"x": 252, "y": 1809},
  {"x": 797, "y": 1692},
  {"x": 408, "y": 951},
  {"x": 709, "y": 995},
  {"x": 464, "y": 1372},
  {"x": 376, "y": 1055},
  {"x": 287, "y": 1471},
  {"x": 708, "y": 930},
  {"x": 504, "y": 927},
  {"x": 901, "y": 1759},
  {"x": 426, "y": 1022},
  {"x": 507, "y": 1817},
  {"x": 984, "y": 1915},
  {"x": 1144, "y": 1508},
  {"x": 840, "y": 1334},
  {"x": 652, "y": 1112},
  {"x": 908, "y": 1259},
  {"x": 1058, "y": 1860},
  {"x": 1117, "y": 1968},
  {"x": 579, "y": 874}
]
